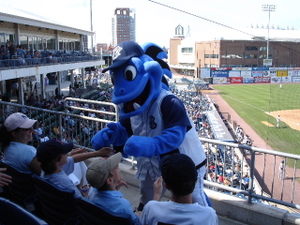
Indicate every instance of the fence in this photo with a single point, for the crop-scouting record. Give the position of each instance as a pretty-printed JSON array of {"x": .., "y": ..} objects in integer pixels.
[{"x": 79, "y": 119}]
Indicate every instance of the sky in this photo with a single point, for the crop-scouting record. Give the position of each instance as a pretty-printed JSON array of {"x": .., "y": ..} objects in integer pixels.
[{"x": 156, "y": 20}]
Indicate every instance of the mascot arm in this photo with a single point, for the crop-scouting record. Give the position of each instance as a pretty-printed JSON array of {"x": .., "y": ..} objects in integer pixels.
[
  {"x": 169, "y": 140},
  {"x": 114, "y": 134}
]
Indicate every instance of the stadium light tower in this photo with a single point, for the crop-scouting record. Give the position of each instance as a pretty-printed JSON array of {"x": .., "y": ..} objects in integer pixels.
[
  {"x": 268, "y": 8},
  {"x": 91, "y": 15}
]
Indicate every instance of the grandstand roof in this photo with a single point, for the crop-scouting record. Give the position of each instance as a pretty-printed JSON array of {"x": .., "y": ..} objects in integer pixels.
[{"x": 39, "y": 22}]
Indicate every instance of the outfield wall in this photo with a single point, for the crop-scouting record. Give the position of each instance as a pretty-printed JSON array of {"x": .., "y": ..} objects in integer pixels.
[{"x": 246, "y": 75}]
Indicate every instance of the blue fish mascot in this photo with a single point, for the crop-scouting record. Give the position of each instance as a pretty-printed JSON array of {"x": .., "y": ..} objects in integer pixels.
[{"x": 153, "y": 122}]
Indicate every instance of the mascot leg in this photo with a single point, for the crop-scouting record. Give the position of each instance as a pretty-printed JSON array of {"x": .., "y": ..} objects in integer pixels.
[
  {"x": 147, "y": 172},
  {"x": 198, "y": 193},
  {"x": 146, "y": 188}
]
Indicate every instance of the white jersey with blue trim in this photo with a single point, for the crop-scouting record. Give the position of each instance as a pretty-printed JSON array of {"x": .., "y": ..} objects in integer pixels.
[{"x": 151, "y": 123}]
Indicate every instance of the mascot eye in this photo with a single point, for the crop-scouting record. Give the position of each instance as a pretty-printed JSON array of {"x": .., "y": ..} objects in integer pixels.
[{"x": 130, "y": 73}]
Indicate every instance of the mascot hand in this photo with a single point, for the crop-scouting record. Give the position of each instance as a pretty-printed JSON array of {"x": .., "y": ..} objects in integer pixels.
[
  {"x": 140, "y": 146},
  {"x": 114, "y": 134}
]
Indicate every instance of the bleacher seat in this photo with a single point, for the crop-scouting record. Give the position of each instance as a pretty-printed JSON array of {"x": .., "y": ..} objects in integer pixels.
[
  {"x": 21, "y": 190},
  {"x": 91, "y": 214},
  {"x": 13, "y": 214},
  {"x": 58, "y": 205}
]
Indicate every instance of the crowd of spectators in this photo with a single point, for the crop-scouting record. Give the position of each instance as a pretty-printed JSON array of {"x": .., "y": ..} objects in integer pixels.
[
  {"x": 242, "y": 137},
  {"x": 224, "y": 165},
  {"x": 12, "y": 55},
  {"x": 196, "y": 106}
]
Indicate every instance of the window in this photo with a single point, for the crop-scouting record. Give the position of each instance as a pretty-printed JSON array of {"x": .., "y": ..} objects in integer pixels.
[
  {"x": 251, "y": 56},
  {"x": 232, "y": 56},
  {"x": 214, "y": 56},
  {"x": 23, "y": 41},
  {"x": 51, "y": 44},
  {"x": 251, "y": 48},
  {"x": 187, "y": 50},
  {"x": 262, "y": 48}
]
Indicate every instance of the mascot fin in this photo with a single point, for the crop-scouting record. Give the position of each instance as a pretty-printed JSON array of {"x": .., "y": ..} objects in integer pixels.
[{"x": 158, "y": 54}]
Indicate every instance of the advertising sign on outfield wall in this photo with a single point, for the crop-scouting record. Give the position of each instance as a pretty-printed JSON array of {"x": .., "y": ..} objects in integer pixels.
[
  {"x": 248, "y": 80},
  {"x": 221, "y": 80},
  {"x": 286, "y": 79},
  {"x": 234, "y": 73},
  {"x": 245, "y": 73},
  {"x": 275, "y": 79},
  {"x": 257, "y": 73},
  {"x": 235, "y": 80},
  {"x": 262, "y": 79},
  {"x": 272, "y": 73},
  {"x": 296, "y": 79},
  {"x": 242, "y": 68},
  {"x": 260, "y": 68},
  {"x": 292, "y": 73},
  {"x": 219, "y": 73},
  {"x": 205, "y": 72},
  {"x": 282, "y": 73},
  {"x": 278, "y": 68},
  {"x": 237, "y": 75}
]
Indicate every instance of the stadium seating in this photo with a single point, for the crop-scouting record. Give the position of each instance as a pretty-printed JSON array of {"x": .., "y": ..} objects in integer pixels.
[
  {"x": 11, "y": 213},
  {"x": 58, "y": 205},
  {"x": 91, "y": 214},
  {"x": 21, "y": 190}
]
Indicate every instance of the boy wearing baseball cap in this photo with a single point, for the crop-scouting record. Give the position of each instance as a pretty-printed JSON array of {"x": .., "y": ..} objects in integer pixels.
[
  {"x": 105, "y": 178},
  {"x": 57, "y": 165},
  {"x": 180, "y": 176}
]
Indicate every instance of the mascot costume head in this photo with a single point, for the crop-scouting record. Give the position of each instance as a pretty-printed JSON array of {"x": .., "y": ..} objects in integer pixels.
[{"x": 137, "y": 73}]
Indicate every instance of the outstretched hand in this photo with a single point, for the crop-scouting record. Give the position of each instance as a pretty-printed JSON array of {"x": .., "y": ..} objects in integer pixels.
[
  {"x": 120, "y": 184},
  {"x": 77, "y": 151},
  {"x": 106, "y": 152},
  {"x": 4, "y": 178},
  {"x": 158, "y": 188}
]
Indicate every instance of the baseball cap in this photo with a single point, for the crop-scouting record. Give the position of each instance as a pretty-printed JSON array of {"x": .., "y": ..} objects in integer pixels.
[
  {"x": 178, "y": 168},
  {"x": 18, "y": 120},
  {"x": 123, "y": 52},
  {"x": 99, "y": 169},
  {"x": 49, "y": 150}
]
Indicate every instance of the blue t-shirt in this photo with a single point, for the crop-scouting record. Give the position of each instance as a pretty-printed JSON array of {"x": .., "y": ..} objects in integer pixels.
[
  {"x": 115, "y": 204},
  {"x": 61, "y": 179},
  {"x": 19, "y": 156}
]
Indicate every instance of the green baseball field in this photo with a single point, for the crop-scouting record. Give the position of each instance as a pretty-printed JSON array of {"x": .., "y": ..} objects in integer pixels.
[{"x": 260, "y": 104}]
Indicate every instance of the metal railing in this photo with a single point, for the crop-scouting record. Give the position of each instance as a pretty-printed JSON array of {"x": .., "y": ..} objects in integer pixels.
[
  {"x": 75, "y": 122},
  {"x": 32, "y": 62},
  {"x": 265, "y": 183}
]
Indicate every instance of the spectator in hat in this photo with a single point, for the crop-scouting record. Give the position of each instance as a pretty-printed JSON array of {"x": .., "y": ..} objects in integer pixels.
[
  {"x": 15, "y": 135},
  {"x": 56, "y": 165},
  {"x": 180, "y": 176},
  {"x": 105, "y": 178}
]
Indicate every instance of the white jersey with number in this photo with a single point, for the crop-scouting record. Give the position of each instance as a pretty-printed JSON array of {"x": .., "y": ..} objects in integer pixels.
[{"x": 176, "y": 213}]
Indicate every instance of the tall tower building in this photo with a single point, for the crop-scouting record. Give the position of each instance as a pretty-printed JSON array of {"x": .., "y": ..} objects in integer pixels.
[{"x": 123, "y": 25}]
